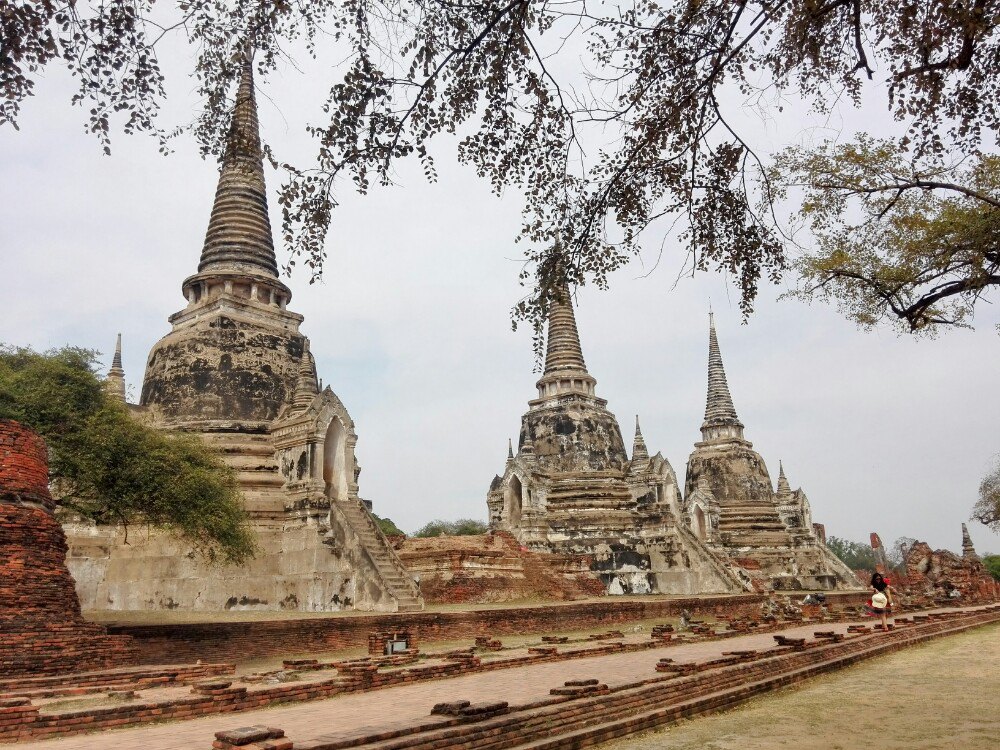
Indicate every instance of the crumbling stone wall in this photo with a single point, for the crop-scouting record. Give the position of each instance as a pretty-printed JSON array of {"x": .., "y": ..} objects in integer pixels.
[
  {"x": 311, "y": 565},
  {"x": 494, "y": 568},
  {"x": 43, "y": 631},
  {"x": 941, "y": 573}
]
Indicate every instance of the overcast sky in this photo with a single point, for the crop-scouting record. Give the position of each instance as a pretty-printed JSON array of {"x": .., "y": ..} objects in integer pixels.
[{"x": 411, "y": 328}]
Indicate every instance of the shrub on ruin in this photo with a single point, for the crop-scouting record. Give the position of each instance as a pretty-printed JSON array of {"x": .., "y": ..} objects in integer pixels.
[
  {"x": 461, "y": 527},
  {"x": 992, "y": 563},
  {"x": 107, "y": 466},
  {"x": 388, "y": 527}
]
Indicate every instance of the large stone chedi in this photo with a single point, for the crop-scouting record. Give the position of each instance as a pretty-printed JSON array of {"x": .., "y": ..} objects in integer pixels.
[
  {"x": 236, "y": 369},
  {"x": 731, "y": 505},
  {"x": 572, "y": 489}
]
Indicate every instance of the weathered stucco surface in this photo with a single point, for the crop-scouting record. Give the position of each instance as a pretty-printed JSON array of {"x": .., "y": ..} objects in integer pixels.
[{"x": 223, "y": 367}]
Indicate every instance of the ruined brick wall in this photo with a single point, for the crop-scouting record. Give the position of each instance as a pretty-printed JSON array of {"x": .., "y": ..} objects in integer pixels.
[
  {"x": 939, "y": 572},
  {"x": 24, "y": 468},
  {"x": 42, "y": 629},
  {"x": 493, "y": 567},
  {"x": 240, "y": 641}
]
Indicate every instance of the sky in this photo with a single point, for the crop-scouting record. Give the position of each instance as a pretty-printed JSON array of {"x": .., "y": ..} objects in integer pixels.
[{"x": 411, "y": 327}]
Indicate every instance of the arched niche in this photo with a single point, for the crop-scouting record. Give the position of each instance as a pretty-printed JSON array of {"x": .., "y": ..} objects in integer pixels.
[
  {"x": 335, "y": 463},
  {"x": 513, "y": 501},
  {"x": 698, "y": 523}
]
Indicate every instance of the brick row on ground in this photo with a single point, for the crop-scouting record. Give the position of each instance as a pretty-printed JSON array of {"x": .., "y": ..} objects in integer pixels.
[
  {"x": 568, "y": 723},
  {"x": 352, "y": 676}
]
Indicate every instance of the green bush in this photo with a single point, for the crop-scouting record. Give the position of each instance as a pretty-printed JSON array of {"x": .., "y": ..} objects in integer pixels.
[
  {"x": 992, "y": 563},
  {"x": 387, "y": 526}
]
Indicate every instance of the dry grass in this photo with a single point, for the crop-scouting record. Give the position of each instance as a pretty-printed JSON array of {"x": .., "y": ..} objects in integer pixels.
[{"x": 937, "y": 696}]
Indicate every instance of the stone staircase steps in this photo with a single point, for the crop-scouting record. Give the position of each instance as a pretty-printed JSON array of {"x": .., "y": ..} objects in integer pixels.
[{"x": 395, "y": 576}]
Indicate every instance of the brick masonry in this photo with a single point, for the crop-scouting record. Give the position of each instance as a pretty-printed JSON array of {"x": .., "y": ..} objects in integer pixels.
[
  {"x": 41, "y": 628},
  {"x": 240, "y": 641}
]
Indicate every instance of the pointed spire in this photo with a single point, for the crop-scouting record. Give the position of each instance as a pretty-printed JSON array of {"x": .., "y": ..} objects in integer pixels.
[
  {"x": 640, "y": 456},
  {"x": 116, "y": 363},
  {"x": 239, "y": 231},
  {"x": 306, "y": 388},
  {"x": 784, "y": 489},
  {"x": 510, "y": 449},
  {"x": 563, "y": 351},
  {"x": 968, "y": 551},
  {"x": 114, "y": 383},
  {"x": 565, "y": 369},
  {"x": 720, "y": 414}
]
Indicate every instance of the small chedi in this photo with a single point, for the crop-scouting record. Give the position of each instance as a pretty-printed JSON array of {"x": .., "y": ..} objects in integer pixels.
[
  {"x": 573, "y": 491},
  {"x": 236, "y": 370},
  {"x": 41, "y": 629}
]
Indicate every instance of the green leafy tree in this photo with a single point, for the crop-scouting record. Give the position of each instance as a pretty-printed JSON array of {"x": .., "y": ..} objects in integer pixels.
[
  {"x": 912, "y": 241},
  {"x": 897, "y": 555},
  {"x": 987, "y": 508},
  {"x": 645, "y": 142},
  {"x": 854, "y": 555},
  {"x": 461, "y": 527},
  {"x": 108, "y": 466},
  {"x": 992, "y": 563}
]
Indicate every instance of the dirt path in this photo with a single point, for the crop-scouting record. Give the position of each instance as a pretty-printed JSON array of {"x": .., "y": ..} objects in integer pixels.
[{"x": 938, "y": 696}]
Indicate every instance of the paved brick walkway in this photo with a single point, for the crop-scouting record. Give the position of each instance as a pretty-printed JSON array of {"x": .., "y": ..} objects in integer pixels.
[{"x": 361, "y": 713}]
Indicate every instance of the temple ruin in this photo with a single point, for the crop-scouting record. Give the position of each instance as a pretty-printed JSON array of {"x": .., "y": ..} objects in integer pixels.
[
  {"x": 572, "y": 490},
  {"x": 941, "y": 575},
  {"x": 236, "y": 370}
]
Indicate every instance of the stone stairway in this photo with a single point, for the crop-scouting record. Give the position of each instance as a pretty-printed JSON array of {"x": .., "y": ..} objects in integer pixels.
[
  {"x": 395, "y": 576},
  {"x": 251, "y": 456},
  {"x": 708, "y": 557}
]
